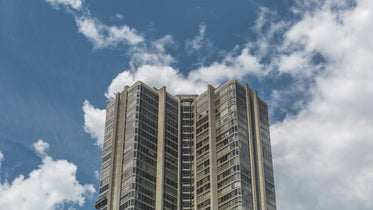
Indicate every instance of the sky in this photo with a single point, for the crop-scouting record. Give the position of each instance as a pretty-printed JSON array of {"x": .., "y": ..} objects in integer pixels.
[{"x": 62, "y": 61}]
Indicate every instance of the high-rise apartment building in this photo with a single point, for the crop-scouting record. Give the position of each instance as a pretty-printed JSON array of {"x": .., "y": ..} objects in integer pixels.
[{"x": 208, "y": 151}]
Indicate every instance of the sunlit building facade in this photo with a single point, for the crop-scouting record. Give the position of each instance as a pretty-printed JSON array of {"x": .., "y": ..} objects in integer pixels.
[{"x": 208, "y": 151}]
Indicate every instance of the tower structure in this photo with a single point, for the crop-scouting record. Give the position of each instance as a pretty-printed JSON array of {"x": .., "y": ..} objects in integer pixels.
[{"x": 208, "y": 151}]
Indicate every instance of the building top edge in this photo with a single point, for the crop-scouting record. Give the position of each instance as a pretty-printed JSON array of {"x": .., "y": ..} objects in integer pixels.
[
  {"x": 180, "y": 96},
  {"x": 228, "y": 83}
]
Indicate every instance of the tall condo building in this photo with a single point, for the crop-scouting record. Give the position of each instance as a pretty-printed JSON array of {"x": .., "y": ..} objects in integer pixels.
[{"x": 208, "y": 151}]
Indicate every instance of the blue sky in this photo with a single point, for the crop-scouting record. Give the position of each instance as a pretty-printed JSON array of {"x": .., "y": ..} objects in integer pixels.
[{"x": 61, "y": 61}]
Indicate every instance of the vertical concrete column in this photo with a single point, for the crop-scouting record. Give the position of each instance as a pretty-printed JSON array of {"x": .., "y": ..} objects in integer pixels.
[
  {"x": 118, "y": 149},
  {"x": 212, "y": 152},
  {"x": 259, "y": 153},
  {"x": 110, "y": 192},
  {"x": 251, "y": 145},
  {"x": 195, "y": 153},
  {"x": 160, "y": 148},
  {"x": 179, "y": 184},
  {"x": 112, "y": 165}
]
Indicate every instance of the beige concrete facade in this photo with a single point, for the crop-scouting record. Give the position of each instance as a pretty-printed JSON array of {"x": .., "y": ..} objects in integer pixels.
[
  {"x": 259, "y": 151},
  {"x": 195, "y": 155},
  {"x": 113, "y": 154},
  {"x": 160, "y": 149},
  {"x": 118, "y": 149},
  {"x": 251, "y": 144},
  {"x": 212, "y": 143},
  {"x": 179, "y": 164}
]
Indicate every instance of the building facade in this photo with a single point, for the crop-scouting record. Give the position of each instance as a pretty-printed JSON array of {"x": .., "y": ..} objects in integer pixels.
[{"x": 208, "y": 151}]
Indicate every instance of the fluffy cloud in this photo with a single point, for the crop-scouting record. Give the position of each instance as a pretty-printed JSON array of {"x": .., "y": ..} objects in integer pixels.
[
  {"x": 119, "y": 16},
  {"x": 103, "y": 36},
  {"x": 155, "y": 54},
  {"x": 94, "y": 122},
  {"x": 97, "y": 175},
  {"x": 196, "y": 43},
  {"x": 40, "y": 146},
  {"x": 235, "y": 65},
  {"x": 1, "y": 159},
  {"x": 322, "y": 155},
  {"x": 75, "y": 4},
  {"x": 52, "y": 185}
]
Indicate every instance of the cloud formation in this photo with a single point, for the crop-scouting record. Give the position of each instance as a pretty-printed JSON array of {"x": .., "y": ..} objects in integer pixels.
[
  {"x": 1, "y": 159},
  {"x": 237, "y": 64},
  {"x": 196, "y": 43},
  {"x": 152, "y": 53},
  {"x": 101, "y": 35},
  {"x": 119, "y": 16},
  {"x": 40, "y": 146},
  {"x": 322, "y": 154},
  {"x": 75, "y": 4},
  {"x": 52, "y": 185},
  {"x": 94, "y": 122}
]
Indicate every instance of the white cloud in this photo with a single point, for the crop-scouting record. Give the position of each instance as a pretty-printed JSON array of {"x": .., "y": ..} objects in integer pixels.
[
  {"x": 161, "y": 44},
  {"x": 94, "y": 122},
  {"x": 40, "y": 146},
  {"x": 52, "y": 185},
  {"x": 75, "y": 4},
  {"x": 201, "y": 47},
  {"x": 1, "y": 159},
  {"x": 322, "y": 155},
  {"x": 103, "y": 36},
  {"x": 267, "y": 26},
  {"x": 155, "y": 54},
  {"x": 119, "y": 16},
  {"x": 97, "y": 175},
  {"x": 195, "y": 44},
  {"x": 233, "y": 66}
]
